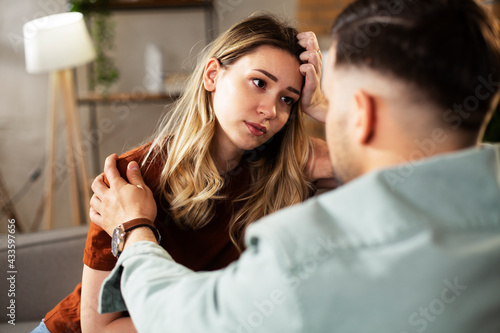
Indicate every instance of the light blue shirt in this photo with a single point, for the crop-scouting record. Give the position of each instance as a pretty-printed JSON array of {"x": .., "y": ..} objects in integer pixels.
[{"x": 414, "y": 248}]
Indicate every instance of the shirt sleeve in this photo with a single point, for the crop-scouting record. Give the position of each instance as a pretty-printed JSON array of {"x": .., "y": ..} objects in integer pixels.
[
  {"x": 161, "y": 294},
  {"x": 97, "y": 253}
]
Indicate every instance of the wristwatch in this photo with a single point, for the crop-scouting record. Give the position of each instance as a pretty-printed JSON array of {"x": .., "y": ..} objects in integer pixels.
[{"x": 120, "y": 232}]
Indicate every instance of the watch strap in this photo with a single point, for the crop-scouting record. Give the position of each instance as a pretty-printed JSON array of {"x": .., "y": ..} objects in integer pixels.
[{"x": 141, "y": 222}]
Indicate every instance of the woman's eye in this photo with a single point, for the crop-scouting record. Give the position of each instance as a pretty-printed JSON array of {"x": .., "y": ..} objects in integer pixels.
[
  {"x": 288, "y": 100},
  {"x": 259, "y": 83}
]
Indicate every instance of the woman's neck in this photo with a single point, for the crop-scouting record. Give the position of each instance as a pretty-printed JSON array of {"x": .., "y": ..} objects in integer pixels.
[
  {"x": 225, "y": 155},
  {"x": 224, "y": 164}
]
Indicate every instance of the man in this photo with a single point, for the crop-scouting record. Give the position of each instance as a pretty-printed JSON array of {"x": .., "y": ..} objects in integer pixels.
[{"x": 411, "y": 243}]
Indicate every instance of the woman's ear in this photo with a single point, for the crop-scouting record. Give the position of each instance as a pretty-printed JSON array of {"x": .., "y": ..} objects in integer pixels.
[
  {"x": 212, "y": 70},
  {"x": 366, "y": 116}
]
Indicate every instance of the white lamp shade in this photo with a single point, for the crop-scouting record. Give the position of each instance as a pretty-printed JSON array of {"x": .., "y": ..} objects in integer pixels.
[{"x": 57, "y": 42}]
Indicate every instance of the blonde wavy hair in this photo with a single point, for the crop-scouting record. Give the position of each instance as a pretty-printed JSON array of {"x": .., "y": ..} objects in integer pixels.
[{"x": 190, "y": 181}]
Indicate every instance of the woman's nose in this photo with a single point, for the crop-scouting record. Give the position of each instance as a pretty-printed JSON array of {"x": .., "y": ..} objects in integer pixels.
[{"x": 267, "y": 107}]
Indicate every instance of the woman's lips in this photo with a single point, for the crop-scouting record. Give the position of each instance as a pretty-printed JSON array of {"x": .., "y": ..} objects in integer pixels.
[{"x": 256, "y": 129}]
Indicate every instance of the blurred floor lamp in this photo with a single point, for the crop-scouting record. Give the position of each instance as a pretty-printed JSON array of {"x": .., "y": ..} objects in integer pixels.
[{"x": 56, "y": 44}]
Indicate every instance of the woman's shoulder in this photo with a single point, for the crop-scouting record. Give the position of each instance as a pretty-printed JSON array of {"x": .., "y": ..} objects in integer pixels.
[
  {"x": 151, "y": 169},
  {"x": 137, "y": 154}
]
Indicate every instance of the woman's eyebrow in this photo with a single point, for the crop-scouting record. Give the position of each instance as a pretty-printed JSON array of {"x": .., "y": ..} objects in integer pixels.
[
  {"x": 275, "y": 79},
  {"x": 292, "y": 89},
  {"x": 266, "y": 73}
]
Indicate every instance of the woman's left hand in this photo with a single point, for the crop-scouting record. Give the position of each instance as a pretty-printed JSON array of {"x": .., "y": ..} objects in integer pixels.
[{"x": 313, "y": 101}]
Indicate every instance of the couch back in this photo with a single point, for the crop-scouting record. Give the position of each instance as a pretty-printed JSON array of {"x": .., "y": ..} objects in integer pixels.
[{"x": 48, "y": 266}]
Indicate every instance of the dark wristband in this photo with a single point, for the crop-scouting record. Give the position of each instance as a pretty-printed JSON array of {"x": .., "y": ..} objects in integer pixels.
[{"x": 142, "y": 222}]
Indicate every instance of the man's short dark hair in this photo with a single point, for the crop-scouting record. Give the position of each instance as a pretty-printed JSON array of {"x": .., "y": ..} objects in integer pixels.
[{"x": 450, "y": 49}]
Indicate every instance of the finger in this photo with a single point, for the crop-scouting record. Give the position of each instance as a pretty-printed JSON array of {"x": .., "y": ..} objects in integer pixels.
[
  {"x": 95, "y": 204},
  {"x": 310, "y": 87},
  {"x": 314, "y": 58},
  {"x": 98, "y": 186},
  {"x": 305, "y": 34},
  {"x": 95, "y": 216},
  {"x": 308, "y": 41},
  {"x": 309, "y": 71},
  {"x": 134, "y": 175},
  {"x": 111, "y": 172},
  {"x": 312, "y": 44}
]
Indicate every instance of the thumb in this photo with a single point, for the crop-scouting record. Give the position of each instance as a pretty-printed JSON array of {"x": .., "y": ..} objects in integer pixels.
[
  {"x": 312, "y": 76},
  {"x": 134, "y": 175}
]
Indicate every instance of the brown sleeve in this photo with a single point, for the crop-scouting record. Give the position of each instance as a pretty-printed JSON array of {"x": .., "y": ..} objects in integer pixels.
[
  {"x": 65, "y": 317},
  {"x": 97, "y": 253}
]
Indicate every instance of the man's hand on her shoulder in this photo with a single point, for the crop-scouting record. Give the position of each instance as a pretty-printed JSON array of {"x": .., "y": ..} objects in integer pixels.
[{"x": 120, "y": 201}]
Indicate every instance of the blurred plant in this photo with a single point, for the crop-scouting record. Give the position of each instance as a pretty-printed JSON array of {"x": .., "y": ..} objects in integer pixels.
[{"x": 102, "y": 29}]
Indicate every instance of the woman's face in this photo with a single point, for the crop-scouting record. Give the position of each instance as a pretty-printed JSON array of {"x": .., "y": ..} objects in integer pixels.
[{"x": 253, "y": 97}]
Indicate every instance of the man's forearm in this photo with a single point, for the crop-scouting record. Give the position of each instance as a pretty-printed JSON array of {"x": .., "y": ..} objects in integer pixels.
[{"x": 161, "y": 294}]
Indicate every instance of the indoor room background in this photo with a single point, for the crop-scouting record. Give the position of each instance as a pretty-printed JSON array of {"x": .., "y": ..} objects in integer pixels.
[{"x": 174, "y": 37}]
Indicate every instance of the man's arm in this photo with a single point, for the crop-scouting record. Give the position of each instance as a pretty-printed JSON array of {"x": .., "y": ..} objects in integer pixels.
[{"x": 161, "y": 295}]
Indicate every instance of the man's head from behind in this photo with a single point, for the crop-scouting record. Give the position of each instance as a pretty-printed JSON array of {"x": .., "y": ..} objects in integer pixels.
[{"x": 408, "y": 79}]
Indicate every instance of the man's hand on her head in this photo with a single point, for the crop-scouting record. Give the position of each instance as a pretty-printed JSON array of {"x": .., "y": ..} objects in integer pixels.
[{"x": 120, "y": 201}]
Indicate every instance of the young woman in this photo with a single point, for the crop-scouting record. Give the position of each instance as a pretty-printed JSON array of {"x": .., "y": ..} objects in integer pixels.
[{"x": 232, "y": 150}]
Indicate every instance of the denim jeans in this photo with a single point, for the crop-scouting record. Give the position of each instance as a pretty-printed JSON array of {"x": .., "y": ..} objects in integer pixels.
[{"x": 41, "y": 328}]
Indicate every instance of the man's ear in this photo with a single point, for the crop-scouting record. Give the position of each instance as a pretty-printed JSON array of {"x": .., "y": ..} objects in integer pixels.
[
  {"x": 366, "y": 116},
  {"x": 212, "y": 70}
]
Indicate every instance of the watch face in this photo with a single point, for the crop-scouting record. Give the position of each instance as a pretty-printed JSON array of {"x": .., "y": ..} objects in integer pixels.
[{"x": 117, "y": 241}]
